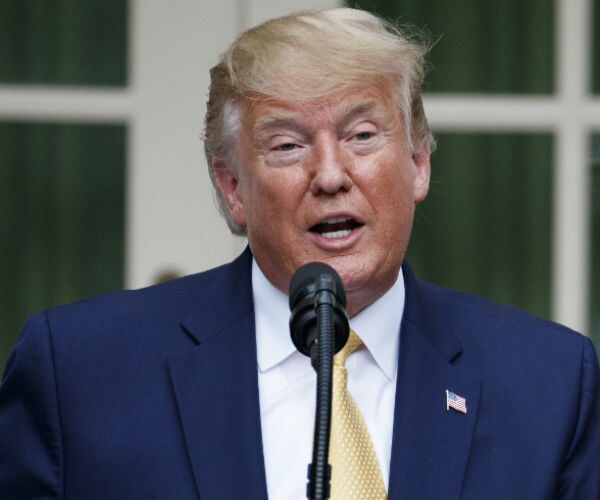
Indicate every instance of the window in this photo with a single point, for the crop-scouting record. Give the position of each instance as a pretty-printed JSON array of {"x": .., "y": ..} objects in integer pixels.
[
  {"x": 485, "y": 226},
  {"x": 62, "y": 189}
]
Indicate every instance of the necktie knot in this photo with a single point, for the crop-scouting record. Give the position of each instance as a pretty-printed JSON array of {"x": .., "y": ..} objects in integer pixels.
[{"x": 353, "y": 343}]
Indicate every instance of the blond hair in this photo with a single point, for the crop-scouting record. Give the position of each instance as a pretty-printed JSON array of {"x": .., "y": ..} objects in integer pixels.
[{"x": 308, "y": 55}]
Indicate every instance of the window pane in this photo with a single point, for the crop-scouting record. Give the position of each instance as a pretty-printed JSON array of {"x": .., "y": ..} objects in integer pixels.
[
  {"x": 486, "y": 225},
  {"x": 63, "y": 42},
  {"x": 595, "y": 256},
  {"x": 62, "y": 217},
  {"x": 503, "y": 46}
]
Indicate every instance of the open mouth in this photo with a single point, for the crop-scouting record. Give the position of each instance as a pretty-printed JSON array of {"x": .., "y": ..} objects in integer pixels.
[{"x": 335, "y": 227}]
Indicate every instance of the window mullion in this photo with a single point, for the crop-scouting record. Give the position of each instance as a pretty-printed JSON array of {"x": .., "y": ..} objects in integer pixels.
[{"x": 571, "y": 176}]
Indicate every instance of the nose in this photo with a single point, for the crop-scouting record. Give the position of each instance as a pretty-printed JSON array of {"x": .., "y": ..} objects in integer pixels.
[{"x": 330, "y": 174}]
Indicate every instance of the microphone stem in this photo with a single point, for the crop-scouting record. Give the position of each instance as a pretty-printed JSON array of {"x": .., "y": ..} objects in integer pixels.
[{"x": 322, "y": 360}]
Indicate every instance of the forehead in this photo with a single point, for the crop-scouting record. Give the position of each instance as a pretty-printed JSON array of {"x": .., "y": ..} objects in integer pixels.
[{"x": 377, "y": 100}]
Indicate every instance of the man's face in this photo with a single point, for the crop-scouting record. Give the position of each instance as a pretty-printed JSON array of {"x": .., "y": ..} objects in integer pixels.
[{"x": 330, "y": 180}]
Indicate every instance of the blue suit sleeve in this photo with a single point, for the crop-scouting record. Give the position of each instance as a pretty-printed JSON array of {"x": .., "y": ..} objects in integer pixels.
[
  {"x": 580, "y": 479},
  {"x": 30, "y": 437}
]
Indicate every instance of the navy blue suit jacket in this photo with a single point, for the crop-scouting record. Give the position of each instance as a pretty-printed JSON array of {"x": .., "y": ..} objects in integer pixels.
[{"x": 154, "y": 394}]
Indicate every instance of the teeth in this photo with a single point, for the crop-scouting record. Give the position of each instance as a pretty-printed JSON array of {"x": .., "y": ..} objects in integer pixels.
[
  {"x": 335, "y": 227},
  {"x": 336, "y": 234}
]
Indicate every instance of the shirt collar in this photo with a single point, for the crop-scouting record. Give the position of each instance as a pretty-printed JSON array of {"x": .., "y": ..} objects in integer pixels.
[
  {"x": 271, "y": 316},
  {"x": 378, "y": 325}
]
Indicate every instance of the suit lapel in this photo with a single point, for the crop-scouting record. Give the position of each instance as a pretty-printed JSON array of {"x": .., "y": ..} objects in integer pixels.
[
  {"x": 430, "y": 446},
  {"x": 216, "y": 388}
]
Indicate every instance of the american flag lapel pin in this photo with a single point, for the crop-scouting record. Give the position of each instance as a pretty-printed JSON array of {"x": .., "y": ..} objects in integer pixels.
[{"x": 455, "y": 402}]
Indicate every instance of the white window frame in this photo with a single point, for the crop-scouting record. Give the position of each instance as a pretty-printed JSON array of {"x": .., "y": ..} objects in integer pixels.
[{"x": 171, "y": 219}]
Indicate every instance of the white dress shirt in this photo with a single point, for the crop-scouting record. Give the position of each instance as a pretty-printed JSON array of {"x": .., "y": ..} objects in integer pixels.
[{"x": 287, "y": 384}]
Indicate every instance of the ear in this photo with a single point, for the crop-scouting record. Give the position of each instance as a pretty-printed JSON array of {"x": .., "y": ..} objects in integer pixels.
[
  {"x": 422, "y": 170},
  {"x": 229, "y": 186}
]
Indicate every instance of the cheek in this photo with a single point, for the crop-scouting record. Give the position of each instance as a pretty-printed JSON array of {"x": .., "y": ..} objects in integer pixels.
[
  {"x": 266, "y": 205},
  {"x": 280, "y": 190},
  {"x": 399, "y": 217},
  {"x": 395, "y": 202},
  {"x": 392, "y": 185}
]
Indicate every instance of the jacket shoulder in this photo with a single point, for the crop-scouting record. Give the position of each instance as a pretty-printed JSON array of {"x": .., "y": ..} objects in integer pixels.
[
  {"x": 149, "y": 318},
  {"x": 489, "y": 317}
]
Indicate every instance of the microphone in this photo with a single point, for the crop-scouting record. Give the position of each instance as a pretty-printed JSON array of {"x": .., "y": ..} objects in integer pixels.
[
  {"x": 319, "y": 328},
  {"x": 313, "y": 286}
]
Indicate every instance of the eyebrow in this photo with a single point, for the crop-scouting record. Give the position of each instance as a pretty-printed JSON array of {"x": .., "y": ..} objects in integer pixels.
[{"x": 276, "y": 120}]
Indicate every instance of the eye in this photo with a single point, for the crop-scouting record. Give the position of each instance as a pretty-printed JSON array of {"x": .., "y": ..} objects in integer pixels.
[
  {"x": 288, "y": 146},
  {"x": 284, "y": 151},
  {"x": 364, "y": 136}
]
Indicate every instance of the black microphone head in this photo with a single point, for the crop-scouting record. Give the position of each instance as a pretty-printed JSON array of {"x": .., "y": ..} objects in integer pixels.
[
  {"x": 309, "y": 283},
  {"x": 306, "y": 275}
]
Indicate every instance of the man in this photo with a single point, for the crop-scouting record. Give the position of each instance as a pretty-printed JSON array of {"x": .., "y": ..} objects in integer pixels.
[{"x": 319, "y": 148}]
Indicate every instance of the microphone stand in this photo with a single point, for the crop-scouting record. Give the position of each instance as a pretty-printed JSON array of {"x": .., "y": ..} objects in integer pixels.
[
  {"x": 319, "y": 327},
  {"x": 321, "y": 354}
]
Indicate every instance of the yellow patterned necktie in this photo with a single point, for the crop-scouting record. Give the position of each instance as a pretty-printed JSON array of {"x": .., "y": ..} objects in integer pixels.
[{"x": 355, "y": 468}]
